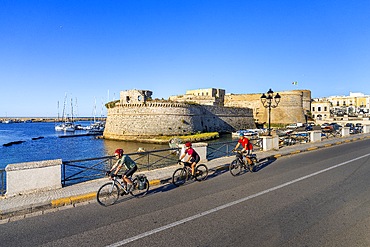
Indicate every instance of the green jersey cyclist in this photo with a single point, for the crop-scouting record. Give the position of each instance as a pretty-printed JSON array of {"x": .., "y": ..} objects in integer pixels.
[{"x": 131, "y": 168}]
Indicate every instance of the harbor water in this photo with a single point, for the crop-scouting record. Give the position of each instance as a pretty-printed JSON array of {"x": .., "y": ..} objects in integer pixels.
[{"x": 39, "y": 141}]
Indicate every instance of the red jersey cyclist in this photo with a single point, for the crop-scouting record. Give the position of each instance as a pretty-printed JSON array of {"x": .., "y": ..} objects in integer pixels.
[
  {"x": 247, "y": 146},
  {"x": 193, "y": 158},
  {"x": 131, "y": 168}
]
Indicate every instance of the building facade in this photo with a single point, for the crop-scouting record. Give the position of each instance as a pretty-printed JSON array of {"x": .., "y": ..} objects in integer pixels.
[{"x": 354, "y": 105}]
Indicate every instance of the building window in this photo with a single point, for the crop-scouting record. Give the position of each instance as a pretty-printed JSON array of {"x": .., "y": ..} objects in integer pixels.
[
  {"x": 337, "y": 103},
  {"x": 319, "y": 108},
  {"x": 325, "y": 108},
  {"x": 127, "y": 99},
  {"x": 313, "y": 108}
]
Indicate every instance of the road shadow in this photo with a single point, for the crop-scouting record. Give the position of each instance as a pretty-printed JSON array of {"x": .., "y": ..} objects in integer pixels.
[
  {"x": 167, "y": 185},
  {"x": 218, "y": 171},
  {"x": 262, "y": 163}
]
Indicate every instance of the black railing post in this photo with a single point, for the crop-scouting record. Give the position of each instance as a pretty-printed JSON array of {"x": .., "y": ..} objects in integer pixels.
[
  {"x": 64, "y": 174},
  {"x": 148, "y": 161}
]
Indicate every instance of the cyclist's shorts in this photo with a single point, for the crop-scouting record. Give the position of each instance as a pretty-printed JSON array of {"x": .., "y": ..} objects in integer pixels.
[
  {"x": 195, "y": 159},
  {"x": 130, "y": 172}
]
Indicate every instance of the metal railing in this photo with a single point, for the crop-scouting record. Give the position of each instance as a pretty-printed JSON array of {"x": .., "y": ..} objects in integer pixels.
[
  {"x": 76, "y": 171},
  {"x": 294, "y": 138},
  {"x": 221, "y": 149}
]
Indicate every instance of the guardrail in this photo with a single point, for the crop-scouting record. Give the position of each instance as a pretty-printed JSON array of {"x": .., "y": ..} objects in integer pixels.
[
  {"x": 221, "y": 149},
  {"x": 75, "y": 171}
]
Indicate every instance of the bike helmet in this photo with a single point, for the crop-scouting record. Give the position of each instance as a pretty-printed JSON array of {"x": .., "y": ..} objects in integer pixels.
[
  {"x": 119, "y": 151},
  {"x": 241, "y": 134},
  {"x": 187, "y": 144}
]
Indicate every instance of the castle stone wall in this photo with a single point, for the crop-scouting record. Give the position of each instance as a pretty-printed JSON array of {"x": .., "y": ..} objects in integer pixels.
[{"x": 156, "y": 118}]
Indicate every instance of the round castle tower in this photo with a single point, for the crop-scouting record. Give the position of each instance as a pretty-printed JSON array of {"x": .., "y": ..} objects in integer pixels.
[{"x": 293, "y": 106}]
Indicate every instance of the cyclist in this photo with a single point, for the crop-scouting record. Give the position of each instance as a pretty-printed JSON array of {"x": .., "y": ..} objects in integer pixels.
[
  {"x": 194, "y": 157},
  {"x": 247, "y": 146},
  {"x": 130, "y": 165}
]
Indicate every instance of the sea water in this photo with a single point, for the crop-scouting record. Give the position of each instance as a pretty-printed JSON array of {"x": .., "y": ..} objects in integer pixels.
[{"x": 42, "y": 142}]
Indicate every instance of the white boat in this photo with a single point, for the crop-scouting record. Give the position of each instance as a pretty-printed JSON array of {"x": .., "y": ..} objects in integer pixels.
[
  {"x": 59, "y": 127},
  {"x": 248, "y": 132},
  {"x": 8, "y": 121},
  {"x": 96, "y": 128},
  {"x": 67, "y": 125}
]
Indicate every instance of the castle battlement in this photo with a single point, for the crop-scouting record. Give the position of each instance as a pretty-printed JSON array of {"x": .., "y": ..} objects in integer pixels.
[{"x": 153, "y": 104}]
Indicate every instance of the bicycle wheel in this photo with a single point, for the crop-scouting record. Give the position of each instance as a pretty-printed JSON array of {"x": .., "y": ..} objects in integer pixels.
[
  {"x": 235, "y": 167},
  {"x": 179, "y": 177},
  {"x": 107, "y": 194},
  {"x": 136, "y": 192},
  {"x": 201, "y": 172}
]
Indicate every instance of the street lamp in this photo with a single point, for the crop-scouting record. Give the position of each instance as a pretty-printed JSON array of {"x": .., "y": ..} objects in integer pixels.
[{"x": 270, "y": 101}]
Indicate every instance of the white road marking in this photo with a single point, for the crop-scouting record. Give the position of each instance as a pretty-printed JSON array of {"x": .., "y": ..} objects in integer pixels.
[{"x": 148, "y": 233}]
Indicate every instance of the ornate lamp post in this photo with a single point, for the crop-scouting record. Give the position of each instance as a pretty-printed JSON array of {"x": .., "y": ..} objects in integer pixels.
[{"x": 270, "y": 101}]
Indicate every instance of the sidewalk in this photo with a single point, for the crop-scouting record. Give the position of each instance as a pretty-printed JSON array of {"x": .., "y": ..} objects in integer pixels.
[{"x": 19, "y": 207}]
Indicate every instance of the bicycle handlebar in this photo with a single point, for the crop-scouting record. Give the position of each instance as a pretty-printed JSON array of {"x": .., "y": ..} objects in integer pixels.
[
  {"x": 115, "y": 176},
  {"x": 184, "y": 163}
]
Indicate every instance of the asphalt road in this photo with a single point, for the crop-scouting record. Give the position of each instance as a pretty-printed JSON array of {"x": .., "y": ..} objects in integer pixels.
[{"x": 317, "y": 198}]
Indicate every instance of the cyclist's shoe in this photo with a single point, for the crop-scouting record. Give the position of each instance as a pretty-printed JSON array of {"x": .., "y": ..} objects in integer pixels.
[{"x": 129, "y": 188}]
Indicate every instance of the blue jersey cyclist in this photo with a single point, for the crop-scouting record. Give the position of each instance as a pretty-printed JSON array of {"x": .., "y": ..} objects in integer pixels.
[{"x": 130, "y": 165}]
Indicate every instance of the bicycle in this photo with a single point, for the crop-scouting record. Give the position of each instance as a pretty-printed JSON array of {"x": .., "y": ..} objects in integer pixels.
[
  {"x": 109, "y": 193},
  {"x": 181, "y": 175},
  {"x": 238, "y": 164}
]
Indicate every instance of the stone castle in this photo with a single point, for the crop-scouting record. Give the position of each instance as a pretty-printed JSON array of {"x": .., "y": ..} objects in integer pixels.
[{"x": 136, "y": 114}]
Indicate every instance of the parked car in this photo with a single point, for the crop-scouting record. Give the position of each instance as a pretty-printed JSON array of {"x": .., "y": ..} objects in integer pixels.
[
  {"x": 324, "y": 125},
  {"x": 352, "y": 128},
  {"x": 335, "y": 126},
  {"x": 294, "y": 125},
  {"x": 358, "y": 127}
]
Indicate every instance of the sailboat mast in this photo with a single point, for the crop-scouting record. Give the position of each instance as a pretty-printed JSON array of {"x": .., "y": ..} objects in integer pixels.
[
  {"x": 64, "y": 107},
  {"x": 94, "y": 109},
  {"x": 72, "y": 110}
]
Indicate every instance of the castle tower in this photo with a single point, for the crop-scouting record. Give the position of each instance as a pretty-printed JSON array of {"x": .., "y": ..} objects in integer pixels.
[{"x": 135, "y": 96}]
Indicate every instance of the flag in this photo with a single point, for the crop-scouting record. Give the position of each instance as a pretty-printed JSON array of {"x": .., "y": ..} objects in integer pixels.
[{"x": 295, "y": 83}]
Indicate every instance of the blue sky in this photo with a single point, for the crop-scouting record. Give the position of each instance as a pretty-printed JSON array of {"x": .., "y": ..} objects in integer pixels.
[{"x": 92, "y": 50}]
